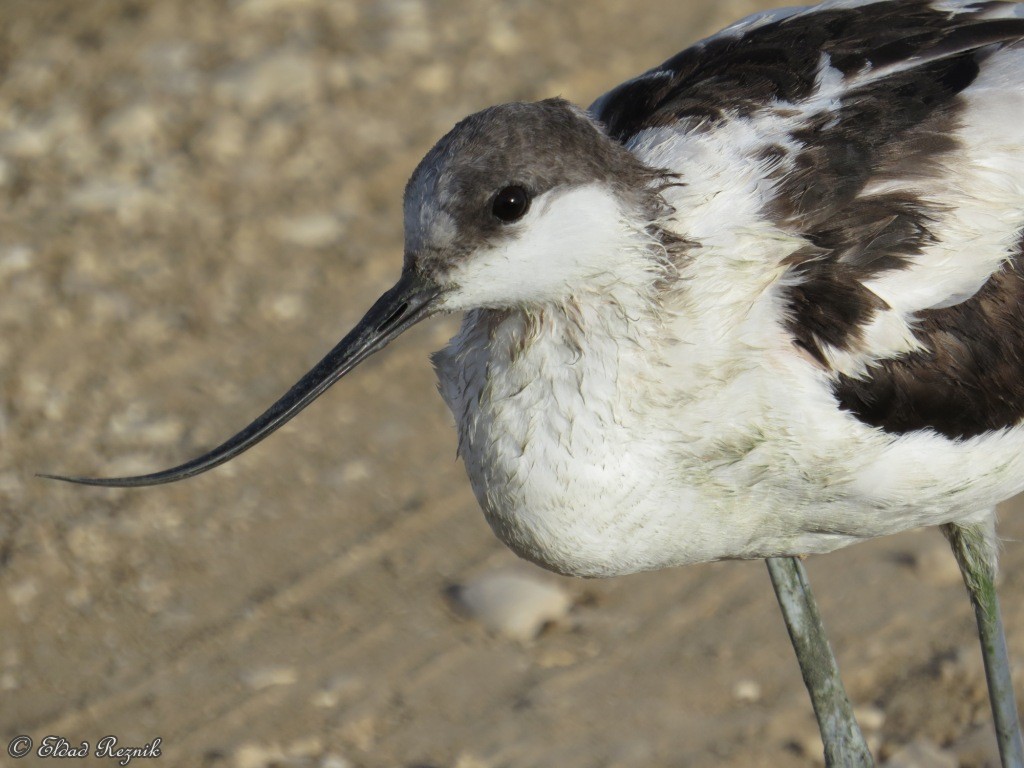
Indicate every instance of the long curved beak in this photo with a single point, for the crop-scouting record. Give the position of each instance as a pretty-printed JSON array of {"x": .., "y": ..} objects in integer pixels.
[{"x": 413, "y": 298}]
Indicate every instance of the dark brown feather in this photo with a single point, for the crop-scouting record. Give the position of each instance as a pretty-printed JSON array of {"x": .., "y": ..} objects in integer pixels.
[
  {"x": 898, "y": 125},
  {"x": 968, "y": 378},
  {"x": 778, "y": 62}
]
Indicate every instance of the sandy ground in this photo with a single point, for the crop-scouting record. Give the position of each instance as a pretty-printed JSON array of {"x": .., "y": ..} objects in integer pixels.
[{"x": 196, "y": 200}]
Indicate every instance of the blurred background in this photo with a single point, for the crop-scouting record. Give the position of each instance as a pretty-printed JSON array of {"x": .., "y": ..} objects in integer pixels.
[{"x": 197, "y": 199}]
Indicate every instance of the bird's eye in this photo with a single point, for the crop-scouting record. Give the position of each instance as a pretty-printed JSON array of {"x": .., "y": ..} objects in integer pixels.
[{"x": 511, "y": 203}]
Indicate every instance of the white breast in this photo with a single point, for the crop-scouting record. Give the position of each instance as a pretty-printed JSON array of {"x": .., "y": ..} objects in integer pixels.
[
  {"x": 588, "y": 459},
  {"x": 553, "y": 447}
]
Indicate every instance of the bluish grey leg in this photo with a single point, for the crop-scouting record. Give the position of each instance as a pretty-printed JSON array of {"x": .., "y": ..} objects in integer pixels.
[
  {"x": 974, "y": 548},
  {"x": 844, "y": 743}
]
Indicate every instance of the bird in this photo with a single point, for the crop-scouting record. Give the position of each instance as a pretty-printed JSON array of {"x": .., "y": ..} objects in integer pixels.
[{"x": 765, "y": 299}]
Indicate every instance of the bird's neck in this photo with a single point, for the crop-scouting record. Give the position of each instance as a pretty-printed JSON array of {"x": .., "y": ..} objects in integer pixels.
[
  {"x": 585, "y": 345},
  {"x": 558, "y": 374},
  {"x": 545, "y": 401}
]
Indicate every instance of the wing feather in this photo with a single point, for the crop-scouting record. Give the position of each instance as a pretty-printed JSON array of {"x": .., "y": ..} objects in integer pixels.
[{"x": 896, "y": 130}]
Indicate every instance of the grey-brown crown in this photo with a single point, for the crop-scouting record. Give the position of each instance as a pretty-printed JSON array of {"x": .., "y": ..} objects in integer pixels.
[{"x": 540, "y": 146}]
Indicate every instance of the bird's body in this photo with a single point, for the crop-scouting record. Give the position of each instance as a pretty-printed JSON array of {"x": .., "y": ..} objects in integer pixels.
[{"x": 828, "y": 347}]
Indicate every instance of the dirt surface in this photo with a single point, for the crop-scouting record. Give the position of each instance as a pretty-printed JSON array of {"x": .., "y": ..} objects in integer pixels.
[{"x": 197, "y": 199}]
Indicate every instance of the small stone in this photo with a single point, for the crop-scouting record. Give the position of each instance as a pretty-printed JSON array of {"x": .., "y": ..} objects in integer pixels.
[
  {"x": 136, "y": 424},
  {"x": 316, "y": 230},
  {"x": 258, "y": 756},
  {"x": 23, "y": 593},
  {"x": 324, "y": 699},
  {"x": 361, "y": 733},
  {"x": 556, "y": 658},
  {"x": 225, "y": 138},
  {"x": 25, "y": 143},
  {"x": 335, "y": 690},
  {"x": 433, "y": 79},
  {"x": 334, "y": 761},
  {"x": 284, "y": 77},
  {"x": 286, "y": 307},
  {"x": 275, "y": 138},
  {"x": 466, "y": 760},
  {"x": 267, "y": 677},
  {"x": 172, "y": 64},
  {"x": 79, "y": 596},
  {"x": 91, "y": 543},
  {"x": 354, "y": 471},
  {"x": 503, "y": 38},
  {"x": 921, "y": 753},
  {"x": 747, "y": 691},
  {"x": 101, "y": 195},
  {"x": 156, "y": 593},
  {"x": 341, "y": 75},
  {"x": 513, "y": 603},
  {"x": 410, "y": 31},
  {"x": 15, "y": 259},
  {"x": 870, "y": 718},
  {"x": 136, "y": 127},
  {"x": 308, "y": 746},
  {"x": 37, "y": 139},
  {"x": 258, "y": 8}
]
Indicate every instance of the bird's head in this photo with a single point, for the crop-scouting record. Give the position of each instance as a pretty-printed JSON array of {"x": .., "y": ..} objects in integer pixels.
[
  {"x": 524, "y": 204},
  {"x": 519, "y": 205}
]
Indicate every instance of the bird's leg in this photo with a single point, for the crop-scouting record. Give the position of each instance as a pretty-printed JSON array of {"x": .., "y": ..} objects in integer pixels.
[
  {"x": 844, "y": 743},
  {"x": 974, "y": 548}
]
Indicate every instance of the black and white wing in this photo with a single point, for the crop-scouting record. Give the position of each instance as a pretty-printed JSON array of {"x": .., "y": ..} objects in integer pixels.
[{"x": 891, "y": 139}]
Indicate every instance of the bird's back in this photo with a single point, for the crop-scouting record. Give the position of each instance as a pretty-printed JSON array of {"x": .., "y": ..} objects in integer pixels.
[{"x": 887, "y": 138}]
